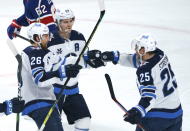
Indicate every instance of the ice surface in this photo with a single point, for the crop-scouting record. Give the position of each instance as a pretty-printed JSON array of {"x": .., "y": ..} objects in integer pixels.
[{"x": 167, "y": 20}]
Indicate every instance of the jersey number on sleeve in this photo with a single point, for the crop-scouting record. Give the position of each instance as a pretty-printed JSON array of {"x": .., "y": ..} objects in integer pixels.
[
  {"x": 35, "y": 60},
  {"x": 144, "y": 77},
  {"x": 166, "y": 75}
]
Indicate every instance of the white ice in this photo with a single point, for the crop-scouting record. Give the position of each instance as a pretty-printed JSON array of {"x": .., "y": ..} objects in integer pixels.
[{"x": 167, "y": 20}]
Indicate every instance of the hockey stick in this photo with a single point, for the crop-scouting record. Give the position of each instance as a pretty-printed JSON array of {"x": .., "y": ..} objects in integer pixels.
[
  {"x": 110, "y": 86},
  {"x": 109, "y": 82},
  {"x": 19, "y": 77},
  {"x": 102, "y": 12},
  {"x": 22, "y": 37}
]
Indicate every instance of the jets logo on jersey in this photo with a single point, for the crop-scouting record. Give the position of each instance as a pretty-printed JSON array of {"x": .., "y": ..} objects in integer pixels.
[{"x": 59, "y": 51}]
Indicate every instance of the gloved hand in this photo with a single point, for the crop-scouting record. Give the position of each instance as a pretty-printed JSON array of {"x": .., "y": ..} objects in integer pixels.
[
  {"x": 69, "y": 70},
  {"x": 133, "y": 116},
  {"x": 110, "y": 56},
  {"x": 13, "y": 29},
  {"x": 14, "y": 105},
  {"x": 72, "y": 70},
  {"x": 93, "y": 58}
]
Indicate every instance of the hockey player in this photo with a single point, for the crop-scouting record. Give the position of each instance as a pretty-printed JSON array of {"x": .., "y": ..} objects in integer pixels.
[
  {"x": 37, "y": 90},
  {"x": 69, "y": 43},
  {"x": 34, "y": 11},
  {"x": 159, "y": 108},
  {"x": 12, "y": 106}
]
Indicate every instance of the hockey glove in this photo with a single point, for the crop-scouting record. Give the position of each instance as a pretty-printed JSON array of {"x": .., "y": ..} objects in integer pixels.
[
  {"x": 93, "y": 58},
  {"x": 18, "y": 105},
  {"x": 13, "y": 29},
  {"x": 110, "y": 56},
  {"x": 72, "y": 70},
  {"x": 14, "y": 105},
  {"x": 133, "y": 116},
  {"x": 69, "y": 70}
]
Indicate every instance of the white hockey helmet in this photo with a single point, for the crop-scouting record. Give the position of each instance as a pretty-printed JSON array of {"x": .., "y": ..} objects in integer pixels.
[
  {"x": 65, "y": 14},
  {"x": 37, "y": 30},
  {"x": 144, "y": 40}
]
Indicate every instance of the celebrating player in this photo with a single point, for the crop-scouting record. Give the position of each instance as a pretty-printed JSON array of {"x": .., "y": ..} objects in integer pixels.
[
  {"x": 37, "y": 90},
  {"x": 69, "y": 43},
  {"x": 159, "y": 108},
  {"x": 34, "y": 11}
]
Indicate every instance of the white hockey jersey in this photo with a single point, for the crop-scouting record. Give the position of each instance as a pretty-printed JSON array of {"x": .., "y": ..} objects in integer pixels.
[
  {"x": 70, "y": 48},
  {"x": 157, "y": 85},
  {"x": 37, "y": 89}
]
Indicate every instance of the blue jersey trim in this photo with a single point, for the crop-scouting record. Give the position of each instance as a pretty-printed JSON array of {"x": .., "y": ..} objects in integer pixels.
[
  {"x": 66, "y": 91},
  {"x": 141, "y": 110},
  {"x": 38, "y": 77},
  {"x": 116, "y": 56},
  {"x": 85, "y": 57},
  {"x": 34, "y": 107},
  {"x": 147, "y": 87},
  {"x": 36, "y": 70},
  {"x": 148, "y": 95},
  {"x": 164, "y": 114}
]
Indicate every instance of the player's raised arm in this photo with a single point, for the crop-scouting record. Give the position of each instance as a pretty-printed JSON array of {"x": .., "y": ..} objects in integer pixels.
[{"x": 34, "y": 11}]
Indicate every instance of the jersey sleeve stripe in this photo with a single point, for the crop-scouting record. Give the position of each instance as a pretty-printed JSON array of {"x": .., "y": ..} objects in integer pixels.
[
  {"x": 44, "y": 20},
  {"x": 38, "y": 77},
  {"x": 148, "y": 90},
  {"x": 165, "y": 114},
  {"x": 141, "y": 110},
  {"x": 35, "y": 70},
  {"x": 148, "y": 95},
  {"x": 147, "y": 87}
]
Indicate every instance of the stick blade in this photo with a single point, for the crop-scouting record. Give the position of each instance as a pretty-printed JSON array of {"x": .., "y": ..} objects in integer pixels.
[
  {"x": 12, "y": 47},
  {"x": 110, "y": 86},
  {"x": 14, "y": 51}
]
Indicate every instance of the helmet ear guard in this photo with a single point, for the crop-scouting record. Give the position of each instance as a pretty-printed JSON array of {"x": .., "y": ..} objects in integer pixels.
[{"x": 36, "y": 38}]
